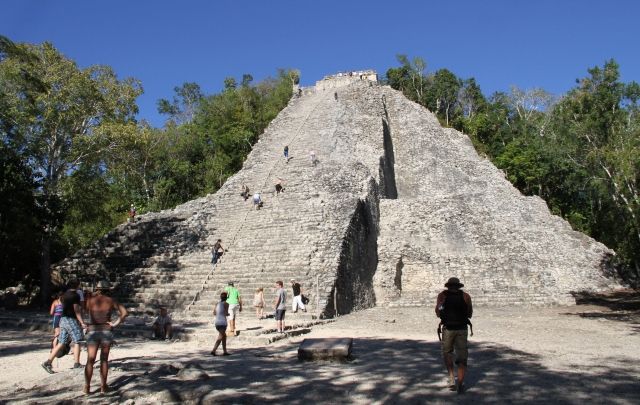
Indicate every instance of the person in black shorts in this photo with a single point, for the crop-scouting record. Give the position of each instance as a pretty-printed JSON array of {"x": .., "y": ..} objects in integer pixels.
[
  {"x": 221, "y": 312},
  {"x": 280, "y": 306}
]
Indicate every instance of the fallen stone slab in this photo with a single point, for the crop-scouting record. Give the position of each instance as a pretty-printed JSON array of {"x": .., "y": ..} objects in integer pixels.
[{"x": 325, "y": 349}]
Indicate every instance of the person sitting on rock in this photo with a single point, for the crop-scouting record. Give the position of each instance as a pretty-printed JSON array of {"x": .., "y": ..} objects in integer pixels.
[{"x": 162, "y": 327}]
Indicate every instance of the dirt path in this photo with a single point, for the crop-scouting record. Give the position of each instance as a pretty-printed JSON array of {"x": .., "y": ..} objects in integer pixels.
[{"x": 561, "y": 355}]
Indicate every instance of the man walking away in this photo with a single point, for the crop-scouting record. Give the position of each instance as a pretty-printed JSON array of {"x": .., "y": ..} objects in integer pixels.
[
  {"x": 297, "y": 297},
  {"x": 100, "y": 333},
  {"x": 235, "y": 306},
  {"x": 454, "y": 308},
  {"x": 280, "y": 306},
  {"x": 71, "y": 326}
]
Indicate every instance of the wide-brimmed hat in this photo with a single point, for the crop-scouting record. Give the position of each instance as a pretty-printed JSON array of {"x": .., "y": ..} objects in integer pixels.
[
  {"x": 454, "y": 282},
  {"x": 103, "y": 285}
]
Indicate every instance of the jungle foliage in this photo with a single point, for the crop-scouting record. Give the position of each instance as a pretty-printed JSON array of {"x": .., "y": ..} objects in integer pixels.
[{"x": 73, "y": 157}]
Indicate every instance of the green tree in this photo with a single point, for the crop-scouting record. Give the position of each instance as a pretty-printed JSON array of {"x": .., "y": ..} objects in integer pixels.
[
  {"x": 596, "y": 121},
  {"x": 445, "y": 87},
  {"x": 19, "y": 221},
  {"x": 184, "y": 104},
  {"x": 410, "y": 77},
  {"x": 57, "y": 124}
]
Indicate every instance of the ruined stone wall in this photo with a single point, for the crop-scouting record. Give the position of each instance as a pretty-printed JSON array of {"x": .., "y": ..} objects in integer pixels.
[
  {"x": 457, "y": 215},
  {"x": 353, "y": 288},
  {"x": 344, "y": 79}
]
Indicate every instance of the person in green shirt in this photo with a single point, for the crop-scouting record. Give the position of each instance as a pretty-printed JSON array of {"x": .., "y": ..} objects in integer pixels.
[{"x": 235, "y": 305}]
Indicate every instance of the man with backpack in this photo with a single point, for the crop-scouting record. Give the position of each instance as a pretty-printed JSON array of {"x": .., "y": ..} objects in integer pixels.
[{"x": 454, "y": 309}]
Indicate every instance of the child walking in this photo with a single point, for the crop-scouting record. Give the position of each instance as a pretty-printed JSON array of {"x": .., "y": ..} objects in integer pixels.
[
  {"x": 258, "y": 302},
  {"x": 56, "y": 311}
]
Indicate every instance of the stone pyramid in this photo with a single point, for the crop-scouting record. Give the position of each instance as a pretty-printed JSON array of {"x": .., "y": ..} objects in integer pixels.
[{"x": 394, "y": 206}]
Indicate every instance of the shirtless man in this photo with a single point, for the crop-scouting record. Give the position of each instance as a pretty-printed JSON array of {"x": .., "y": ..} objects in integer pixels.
[{"x": 99, "y": 307}]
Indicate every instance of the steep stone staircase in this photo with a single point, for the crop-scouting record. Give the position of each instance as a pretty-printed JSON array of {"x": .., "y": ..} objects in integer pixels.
[{"x": 298, "y": 234}]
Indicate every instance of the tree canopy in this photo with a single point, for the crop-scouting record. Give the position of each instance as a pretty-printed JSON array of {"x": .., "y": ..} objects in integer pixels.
[{"x": 74, "y": 157}]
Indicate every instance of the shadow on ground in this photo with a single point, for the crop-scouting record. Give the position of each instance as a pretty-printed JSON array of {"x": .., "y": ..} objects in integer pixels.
[
  {"x": 622, "y": 306},
  {"x": 385, "y": 371}
]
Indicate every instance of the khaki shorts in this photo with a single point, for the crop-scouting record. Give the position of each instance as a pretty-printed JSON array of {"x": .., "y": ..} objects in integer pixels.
[
  {"x": 234, "y": 310},
  {"x": 455, "y": 340}
]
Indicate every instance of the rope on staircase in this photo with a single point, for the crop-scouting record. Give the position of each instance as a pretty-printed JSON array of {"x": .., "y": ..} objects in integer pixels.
[{"x": 269, "y": 174}]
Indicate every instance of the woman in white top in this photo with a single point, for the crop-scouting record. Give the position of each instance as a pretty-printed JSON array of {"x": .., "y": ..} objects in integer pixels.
[{"x": 221, "y": 312}]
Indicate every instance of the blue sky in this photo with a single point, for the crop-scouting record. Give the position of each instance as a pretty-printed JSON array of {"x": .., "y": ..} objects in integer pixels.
[{"x": 501, "y": 43}]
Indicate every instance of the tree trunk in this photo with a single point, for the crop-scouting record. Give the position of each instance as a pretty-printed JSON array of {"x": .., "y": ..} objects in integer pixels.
[
  {"x": 447, "y": 114},
  {"x": 45, "y": 271}
]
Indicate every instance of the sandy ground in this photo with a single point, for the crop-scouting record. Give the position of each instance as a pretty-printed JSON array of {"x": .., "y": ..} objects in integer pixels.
[{"x": 586, "y": 353}]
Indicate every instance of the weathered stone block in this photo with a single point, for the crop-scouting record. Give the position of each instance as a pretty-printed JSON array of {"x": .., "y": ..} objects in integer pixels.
[{"x": 325, "y": 349}]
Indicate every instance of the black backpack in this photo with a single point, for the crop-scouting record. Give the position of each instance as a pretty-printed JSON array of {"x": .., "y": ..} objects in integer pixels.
[{"x": 454, "y": 313}]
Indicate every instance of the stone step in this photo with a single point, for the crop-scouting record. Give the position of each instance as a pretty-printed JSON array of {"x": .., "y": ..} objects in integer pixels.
[{"x": 263, "y": 334}]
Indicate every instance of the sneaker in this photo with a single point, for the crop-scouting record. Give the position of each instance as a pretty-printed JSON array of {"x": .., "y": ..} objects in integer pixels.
[
  {"x": 47, "y": 367},
  {"x": 78, "y": 365}
]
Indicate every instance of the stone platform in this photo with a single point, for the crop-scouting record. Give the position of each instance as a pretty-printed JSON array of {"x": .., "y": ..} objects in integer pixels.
[{"x": 325, "y": 349}]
